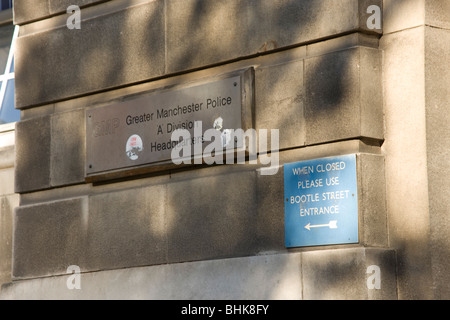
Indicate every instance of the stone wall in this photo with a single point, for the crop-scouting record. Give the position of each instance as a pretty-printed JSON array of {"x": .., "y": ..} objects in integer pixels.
[
  {"x": 416, "y": 94},
  {"x": 327, "y": 81},
  {"x": 8, "y": 200}
]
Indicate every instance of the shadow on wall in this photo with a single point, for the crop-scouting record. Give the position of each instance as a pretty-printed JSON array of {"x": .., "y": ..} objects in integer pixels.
[{"x": 97, "y": 58}]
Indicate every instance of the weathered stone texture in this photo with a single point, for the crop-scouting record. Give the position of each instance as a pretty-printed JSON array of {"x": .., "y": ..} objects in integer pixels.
[
  {"x": 26, "y": 11},
  {"x": 49, "y": 237},
  {"x": 50, "y": 151},
  {"x": 406, "y": 169},
  {"x": 342, "y": 274},
  {"x": 437, "y": 97},
  {"x": 325, "y": 274},
  {"x": 33, "y": 144},
  {"x": 110, "y": 51},
  {"x": 7, "y": 205},
  {"x": 130, "y": 44},
  {"x": 343, "y": 96}
]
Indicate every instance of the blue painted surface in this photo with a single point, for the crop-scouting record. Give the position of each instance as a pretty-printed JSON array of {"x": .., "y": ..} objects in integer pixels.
[{"x": 321, "y": 201}]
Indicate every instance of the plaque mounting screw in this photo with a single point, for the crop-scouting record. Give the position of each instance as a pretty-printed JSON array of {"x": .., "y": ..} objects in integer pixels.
[
  {"x": 235, "y": 84},
  {"x": 90, "y": 166}
]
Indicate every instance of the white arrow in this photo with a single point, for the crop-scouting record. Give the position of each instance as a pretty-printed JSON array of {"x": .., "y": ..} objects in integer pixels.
[{"x": 331, "y": 225}]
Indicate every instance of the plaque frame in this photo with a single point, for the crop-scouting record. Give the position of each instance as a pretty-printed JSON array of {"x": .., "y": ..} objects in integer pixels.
[{"x": 106, "y": 128}]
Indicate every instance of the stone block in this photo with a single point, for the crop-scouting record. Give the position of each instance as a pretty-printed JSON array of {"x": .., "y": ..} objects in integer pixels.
[
  {"x": 211, "y": 216},
  {"x": 7, "y": 181},
  {"x": 372, "y": 201},
  {"x": 371, "y": 94},
  {"x": 343, "y": 96},
  {"x": 7, "y": 205},
  {"x": 119, "y": 48},
  {"x": 226, "y": 30},
  {"x": 29, "y": 10},
  {"x": 332, "y": 96},
  {"x": 49, "y": 237},
  {"x": 437, "y": 96},
  {"x": 406, "y": 14},
  {"x": 405, "y": 148},
  {"x": 50, "y": 151},
  {"x": 33, "y": 144},
  {"x": 346, "y": 274},
  {"x": 67, "y": 148},
  {"x": 7, "y": 156},
  {"x": 270, "y": 210},
  {"x": 60, "y": 6},
  {"x": 327, "y": 274},
  {"x": 342, "y": 43},
  {"x": 127, "y": 228},
  {"x": 403, "y": 14},
  {"x": 328, "y": 150},
  {"x": 280, "y": 103},
  {"x": 267, "y": 277},
  {"x": 437, "y": 14}
]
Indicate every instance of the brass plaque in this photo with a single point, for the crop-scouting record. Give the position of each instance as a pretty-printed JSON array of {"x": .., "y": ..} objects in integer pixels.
[{"x": 135, "y": 135}]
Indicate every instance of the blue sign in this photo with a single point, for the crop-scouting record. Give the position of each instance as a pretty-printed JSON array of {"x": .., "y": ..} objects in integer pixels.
[{"x": 321, "y": 202}]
